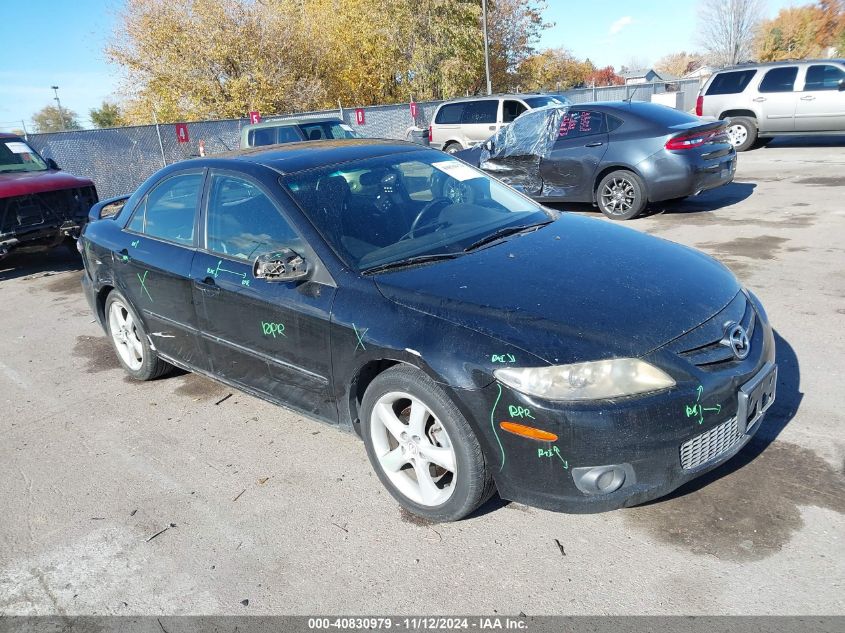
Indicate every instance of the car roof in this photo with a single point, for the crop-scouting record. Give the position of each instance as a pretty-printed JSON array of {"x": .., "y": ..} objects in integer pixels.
[
  {"x": 294, "y": 157},
  {"x": 502, "y": 95},
  {"x": 290, "y": 122},
  {"x": 782, "y": 62},
  {"x": 6, "y": 135}
]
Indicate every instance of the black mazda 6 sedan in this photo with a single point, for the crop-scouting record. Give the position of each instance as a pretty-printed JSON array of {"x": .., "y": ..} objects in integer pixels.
[
  {"x": 617, "y": 155},
  {"x": 477, "y": 342}
]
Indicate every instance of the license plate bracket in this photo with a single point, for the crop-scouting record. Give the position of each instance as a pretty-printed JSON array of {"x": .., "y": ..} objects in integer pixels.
[{"x": 755, "y": 397}]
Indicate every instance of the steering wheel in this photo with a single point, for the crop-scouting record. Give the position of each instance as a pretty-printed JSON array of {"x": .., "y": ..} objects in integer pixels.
[{"x": 427, "y": 209}]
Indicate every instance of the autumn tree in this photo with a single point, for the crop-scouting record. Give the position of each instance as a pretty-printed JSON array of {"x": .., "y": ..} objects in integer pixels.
[
  {"x": 553, "y": 69},
  {"x": 679, "y": 64},
  {"x": 107, "y": 115},
  {"x": 51, "y": 119},
  {"x": 514, "y": 28},
  {"x": 727, "y": 29},
  {"x": 603, "y": 77},
  {"x": 792, "y": 34}
]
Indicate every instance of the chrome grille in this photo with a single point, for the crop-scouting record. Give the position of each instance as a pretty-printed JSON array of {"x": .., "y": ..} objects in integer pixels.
[
  {"x": 710, "y": 445},
  {"x": 706, "y": 347}
]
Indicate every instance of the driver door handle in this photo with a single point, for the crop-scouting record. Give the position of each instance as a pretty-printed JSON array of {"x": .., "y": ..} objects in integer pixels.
[
  {"x": 207, "y": 286},
  {"x": 492, "y": 127},
  {"x": 759, "y": 99},
  {"x": 595, "y": 144},
  {"x": 808, "y": 98}
]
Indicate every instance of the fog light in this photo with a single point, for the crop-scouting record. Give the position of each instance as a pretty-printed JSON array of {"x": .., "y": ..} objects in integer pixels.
[{"x": 602, "y": 480}]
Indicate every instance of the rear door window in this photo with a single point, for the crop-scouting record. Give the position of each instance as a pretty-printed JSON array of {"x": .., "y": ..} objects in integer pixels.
[
  {"x": 450, "y": 114},
  {"x": 262, "y": 136},
  {"x": 779, "y": 79},
  {"x": 511, "y": 110},
  {"x": 823, "y": 77},
  {"x": 730, "y": 83},
  {"x": 288, "y": 135},
  {"x": 484, "y": 111},
  {"x": 581, "y": 123}
]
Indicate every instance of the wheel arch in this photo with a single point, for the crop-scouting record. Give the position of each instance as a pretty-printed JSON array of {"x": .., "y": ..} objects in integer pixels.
[
  {"x": 102, "y": 295},
  {"x": 359, "y": 383},
  {"x": 740, "y": 112}
]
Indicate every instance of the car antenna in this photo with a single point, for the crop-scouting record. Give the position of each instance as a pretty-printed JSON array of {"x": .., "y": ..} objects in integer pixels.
[{"x": 631, "y": 96}]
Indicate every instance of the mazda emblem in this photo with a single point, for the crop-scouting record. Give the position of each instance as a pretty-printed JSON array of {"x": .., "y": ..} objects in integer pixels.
[{"x": 737, "y": 339}]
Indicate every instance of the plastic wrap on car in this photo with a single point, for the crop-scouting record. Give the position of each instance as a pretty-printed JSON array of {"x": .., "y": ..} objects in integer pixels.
[{"x": 531, "y": 134}]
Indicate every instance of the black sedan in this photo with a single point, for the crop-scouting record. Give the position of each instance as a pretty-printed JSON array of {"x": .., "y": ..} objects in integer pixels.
[
  {"x": 618, "y": 155},
  {"x": 474, "y": 345}
]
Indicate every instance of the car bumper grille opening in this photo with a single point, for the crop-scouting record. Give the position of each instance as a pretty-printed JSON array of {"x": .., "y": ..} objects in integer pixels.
[{"x": 710, "y": 445}]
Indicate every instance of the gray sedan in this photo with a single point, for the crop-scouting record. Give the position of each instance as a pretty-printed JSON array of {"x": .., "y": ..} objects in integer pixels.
[{"x": 619, "y": 156}]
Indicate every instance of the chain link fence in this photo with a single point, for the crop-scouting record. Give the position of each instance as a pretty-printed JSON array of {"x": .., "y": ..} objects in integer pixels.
[{"x": 120, "y": 159}]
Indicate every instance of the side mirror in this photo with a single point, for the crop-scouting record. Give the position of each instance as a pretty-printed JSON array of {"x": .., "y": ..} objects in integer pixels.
[
  {"x": 841, "y": 85},
  {"x": 489, "y": 146},
  {"x": 53, "y": 165},
  {"x": 284, "y": 264},
  {"x": 107, "y": 208}
]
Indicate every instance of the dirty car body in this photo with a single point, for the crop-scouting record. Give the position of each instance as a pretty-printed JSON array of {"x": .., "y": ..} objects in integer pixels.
[
  {"x": 562, "y": 153},
  {"x": 490, "y": 297},
  {"x": 40, "y": 206}
]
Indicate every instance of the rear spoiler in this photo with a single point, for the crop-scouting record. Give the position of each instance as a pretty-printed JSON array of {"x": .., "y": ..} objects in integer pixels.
[
  {"x": 698, "y": 135},
  {"x": 107, "y": 208}
]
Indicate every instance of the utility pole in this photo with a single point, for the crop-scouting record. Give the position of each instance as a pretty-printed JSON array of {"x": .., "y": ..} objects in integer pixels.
[
  {"x": 59, "y": 105},
  {"x": 486, "y": 48}
]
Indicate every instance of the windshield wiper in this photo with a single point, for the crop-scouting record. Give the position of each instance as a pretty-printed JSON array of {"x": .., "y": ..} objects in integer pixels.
[
  {"x": 508, "y": 230},
  {"x": 410, "y": 261}
]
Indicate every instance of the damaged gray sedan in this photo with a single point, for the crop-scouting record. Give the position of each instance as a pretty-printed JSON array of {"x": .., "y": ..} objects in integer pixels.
[{"x": 619, "y": 156}]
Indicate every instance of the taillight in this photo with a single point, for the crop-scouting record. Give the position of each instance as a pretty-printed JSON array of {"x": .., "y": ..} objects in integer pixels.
[
  {"x": 430, "y": 133},
  {"x": 699, "y": 106},
  {"x": 692, "y": 140}
]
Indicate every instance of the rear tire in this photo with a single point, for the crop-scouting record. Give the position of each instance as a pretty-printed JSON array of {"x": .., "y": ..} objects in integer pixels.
[
  {"x": 742, "y": 132},
  {"x": 762, "y": 142},
  {"x": 621, "y": 195},
  {"x": 421, "y": 446},
  {"x": 452, "y": 148},
  {"x": 130, "y": 341}
]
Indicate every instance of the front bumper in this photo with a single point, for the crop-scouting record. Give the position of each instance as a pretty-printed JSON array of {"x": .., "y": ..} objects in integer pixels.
[{"x": 646, "y": 437}]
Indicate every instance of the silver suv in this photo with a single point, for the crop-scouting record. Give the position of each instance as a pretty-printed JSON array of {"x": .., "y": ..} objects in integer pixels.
[
  {"x": 461, "y": 123},
  {"x": 779, "y": 98}
]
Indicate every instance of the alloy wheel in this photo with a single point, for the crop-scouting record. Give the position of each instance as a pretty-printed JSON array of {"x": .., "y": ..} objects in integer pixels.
[
  {"x": 413, "y": 449},
  {"x": 737, "y": 134},
  {"x": 617, "y": 196},
  {"x": 124, "y": 333}
]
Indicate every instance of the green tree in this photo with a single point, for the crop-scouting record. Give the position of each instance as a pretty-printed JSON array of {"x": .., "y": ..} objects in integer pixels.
[
  {"x": 51, "y": 119},
  {"x": 107, "y": 115}
]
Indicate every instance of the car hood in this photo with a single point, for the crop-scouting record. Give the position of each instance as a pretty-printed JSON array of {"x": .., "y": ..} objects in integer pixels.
[
  {"x": 577, "y": 289},
  {"x": 23, "y": 183}
]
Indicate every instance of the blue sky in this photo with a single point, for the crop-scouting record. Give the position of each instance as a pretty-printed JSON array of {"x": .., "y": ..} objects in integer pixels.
[{"x": 60, "y": 42}]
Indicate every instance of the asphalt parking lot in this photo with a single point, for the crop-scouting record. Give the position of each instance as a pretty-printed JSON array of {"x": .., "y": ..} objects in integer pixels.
[{"x": 167, "y": 497}]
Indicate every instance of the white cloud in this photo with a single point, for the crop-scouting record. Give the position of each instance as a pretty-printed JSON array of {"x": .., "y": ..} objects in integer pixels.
[{"x": 620, "y": 24}]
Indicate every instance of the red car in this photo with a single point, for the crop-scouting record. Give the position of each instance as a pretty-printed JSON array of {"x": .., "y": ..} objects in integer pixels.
[{"x": 40, "y": 206}]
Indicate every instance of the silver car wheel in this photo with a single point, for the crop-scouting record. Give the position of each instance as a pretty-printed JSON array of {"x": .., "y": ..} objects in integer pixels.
[
  {"x": 617, "y": 196},
  {"x": 413, "y": 449},
  {"x": 125, "y": 336},
  {"x": 737, "y": 134}
]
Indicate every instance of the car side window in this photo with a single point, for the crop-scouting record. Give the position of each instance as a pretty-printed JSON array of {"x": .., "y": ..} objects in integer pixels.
[
  {"x": 168, "y": 211},
  {"x": 730, "y": 83},
  {"x": 823, "y": 77},
  {"x": 581, "y": 123},
  {"x": 613, "y": 123},
  {"x": 241, "y": 220},
  {"x": 779, "y": 79},
  {"x": 450, "y": 114},
  {"x": 288, "y": 135},
  {"x": 511, "y": 110},
  {"x": 484, "y": 111},
  {"x": 262, "y": 136}
]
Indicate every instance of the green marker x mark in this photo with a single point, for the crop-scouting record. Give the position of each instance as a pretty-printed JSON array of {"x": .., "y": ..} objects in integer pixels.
[
  {"x": 360, "y": 337},
  {"x": 143, "y": 283}
]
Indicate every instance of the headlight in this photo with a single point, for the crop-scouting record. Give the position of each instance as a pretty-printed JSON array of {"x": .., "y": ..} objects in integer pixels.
[{"x": 587, "y": 381}]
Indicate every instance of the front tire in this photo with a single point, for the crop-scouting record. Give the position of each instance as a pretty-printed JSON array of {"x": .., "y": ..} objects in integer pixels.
[
  {"x": 130, "y": 340},
  {"x": 421, "y": 446},
  {"x": 452, "y": 148},
  {"x": 621, "y": 195},
  {"x": 742, "y": 132}
]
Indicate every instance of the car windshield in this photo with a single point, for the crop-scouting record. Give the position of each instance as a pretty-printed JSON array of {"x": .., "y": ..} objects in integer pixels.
[
  {"x": 16, "y": 155},
  {"x": 414, "y": 206},
  {"x": 539, "y": 102},
  {"x": 327, "y": 129}
]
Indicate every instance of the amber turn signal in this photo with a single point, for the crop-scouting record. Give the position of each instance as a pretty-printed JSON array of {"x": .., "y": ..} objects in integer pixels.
[{"x": 528, "y": 431}]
